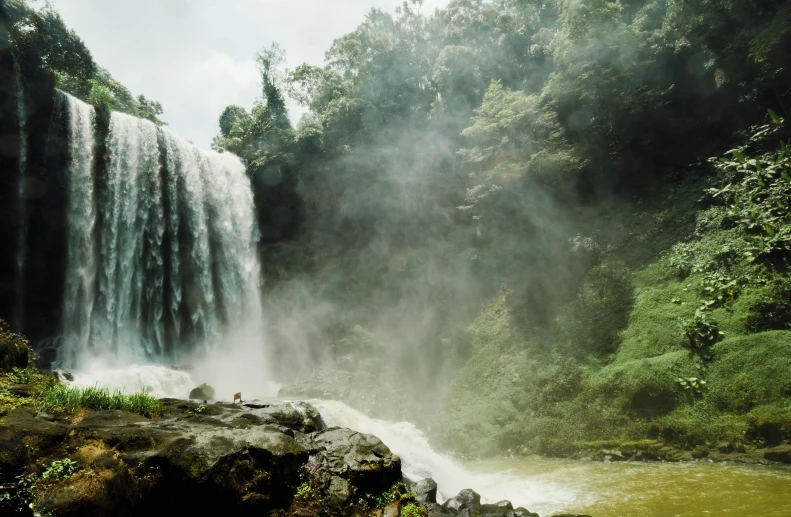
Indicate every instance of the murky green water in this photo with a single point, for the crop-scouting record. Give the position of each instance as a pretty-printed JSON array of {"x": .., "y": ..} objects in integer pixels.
[{"x": 639, "y": 489}]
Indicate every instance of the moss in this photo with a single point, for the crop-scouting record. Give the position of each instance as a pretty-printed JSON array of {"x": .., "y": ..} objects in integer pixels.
[
  {"x": 750, "y": 371},
  {"x": 646, "y": 387}
]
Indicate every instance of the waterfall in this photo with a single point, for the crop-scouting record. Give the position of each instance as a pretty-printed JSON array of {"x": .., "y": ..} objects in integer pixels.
[
  {"x": 79, "y": 291},
  {"x": 21, "y": 249},
  {"x": 175, "y": 269}
]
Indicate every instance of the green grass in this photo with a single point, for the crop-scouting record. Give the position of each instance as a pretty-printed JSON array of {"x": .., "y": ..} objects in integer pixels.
[{"x": 69, "y": 399}]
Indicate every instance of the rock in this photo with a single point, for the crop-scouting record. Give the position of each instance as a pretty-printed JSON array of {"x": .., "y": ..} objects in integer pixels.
[
  {"x": 780, "y": 454},
  {"x": 46, "y": 356},
  {"x": 340, "y": 489},
  {"x": 524, "y": 512},
  {"x": 437, "y": 510},
  {"x": 725, "y": 447},
  {"x": 425, "y": 490},
  {"x": 392, "y": 510},
  {"x": 700, "y": 452},
  {"x": 21, "y": 390},
  {"x": 570, "y": 515},
  {"x": 467, "y": 499},
  {"x": 137, "y": 466},
  {"x": 68, "y": 376},
  {"x": 646, "y": 456},
  {"x": 360, "y": 458},
  {"x": 202, "y": 392}
]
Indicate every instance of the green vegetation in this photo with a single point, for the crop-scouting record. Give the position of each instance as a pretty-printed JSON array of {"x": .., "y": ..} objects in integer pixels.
[
  {"x": 70, "y": 399},
  {"x": 18, "y": 496},
  {"x": 508, "y": 204},
  {"x": 45, "y": 45}
]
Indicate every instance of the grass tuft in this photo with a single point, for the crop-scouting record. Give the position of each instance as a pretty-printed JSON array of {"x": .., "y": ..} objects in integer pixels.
[{"x": 70, "y": 399}]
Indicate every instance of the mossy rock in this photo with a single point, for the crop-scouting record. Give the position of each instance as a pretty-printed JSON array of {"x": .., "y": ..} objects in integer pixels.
[{"x": 202, "y": 392}]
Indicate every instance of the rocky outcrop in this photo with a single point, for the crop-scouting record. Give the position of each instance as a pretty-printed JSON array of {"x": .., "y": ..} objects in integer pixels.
[{"x": 196, "y": 459}]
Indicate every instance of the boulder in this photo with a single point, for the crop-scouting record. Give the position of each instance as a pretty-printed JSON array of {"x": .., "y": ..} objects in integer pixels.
[
  {"x": 467, "y": 499},
  {"x": 340, "y": 489},
  {"x": 360, "y": 458},
  {"x": 46, "y": 357},
  {"x": 202, "y": 392},
  {"x": 780, "y": 454},
  {"x": 425, "y": 490}
]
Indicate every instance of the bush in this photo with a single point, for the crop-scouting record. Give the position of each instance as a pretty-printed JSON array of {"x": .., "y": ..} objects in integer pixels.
[{"x": 14, "y": 351}]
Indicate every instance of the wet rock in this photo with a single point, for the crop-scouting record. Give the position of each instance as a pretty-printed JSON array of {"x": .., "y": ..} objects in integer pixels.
[
  {"x": 425, "y": 490},
  {"x": 202, "y": 392},
  {"x": 340, "y": 489},
  {"x": 361, "y": 458},
  {"x": 68, "y": 376},
  {"x": 46, "y": 356},
  {"x": 571, "y": 515},
  {"x": 437, "y": 510},
  {"x": 780, "y": 454},
  {"x": 646, "y": 456},
  {"x": 467, "y": 499},
  {"x": 524, "y": 512}
]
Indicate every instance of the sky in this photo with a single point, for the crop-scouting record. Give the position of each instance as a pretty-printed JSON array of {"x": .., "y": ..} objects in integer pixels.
[{"x": 196, "y": 56}]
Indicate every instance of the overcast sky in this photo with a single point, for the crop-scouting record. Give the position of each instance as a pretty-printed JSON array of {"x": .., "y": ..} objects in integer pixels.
[{"x": 196, "y": 56}]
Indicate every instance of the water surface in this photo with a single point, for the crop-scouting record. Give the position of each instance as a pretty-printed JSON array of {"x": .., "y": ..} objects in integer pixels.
[{"x": 639, "y": 489}]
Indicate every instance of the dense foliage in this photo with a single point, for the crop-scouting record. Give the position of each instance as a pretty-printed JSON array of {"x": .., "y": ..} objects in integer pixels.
[
  {"x": 44, "y": 44},
  {"x": 511, "y": 187}
]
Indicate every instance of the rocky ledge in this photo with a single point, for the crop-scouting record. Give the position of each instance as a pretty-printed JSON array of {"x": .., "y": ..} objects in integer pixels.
[{"x": 273, "y": 459}]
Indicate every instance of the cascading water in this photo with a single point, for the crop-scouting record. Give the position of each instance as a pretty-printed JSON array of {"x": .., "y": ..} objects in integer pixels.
[
  {"x": 419, "y": 460},
  {"x": 81, "y": 216},
  {"x": 21, "y": 249},
  {"x": 126, "y": 319},
  {"x": 162, "y": 266}
]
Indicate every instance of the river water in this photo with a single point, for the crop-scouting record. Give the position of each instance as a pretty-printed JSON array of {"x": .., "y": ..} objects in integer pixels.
[{"x": 643, "y": 489}]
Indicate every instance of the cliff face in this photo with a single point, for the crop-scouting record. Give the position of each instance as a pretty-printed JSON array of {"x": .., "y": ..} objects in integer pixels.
[{"x": 33, "y": 153}]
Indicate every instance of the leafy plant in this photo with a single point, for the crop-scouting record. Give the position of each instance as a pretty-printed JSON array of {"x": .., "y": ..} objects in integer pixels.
[
  {"x": 22, "y": 375},
  {"x": 18, "y": 496},
  {"x": 60, "y": 470},
  {"x": 701, "y": 333},
  {"x": 692, "y": 385}
]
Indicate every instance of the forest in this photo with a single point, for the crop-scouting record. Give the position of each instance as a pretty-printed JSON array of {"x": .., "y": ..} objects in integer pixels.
[{"x": 527, "y": 227}]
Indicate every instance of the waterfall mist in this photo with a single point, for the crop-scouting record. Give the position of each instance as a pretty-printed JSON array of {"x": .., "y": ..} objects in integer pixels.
[
  {"x": 162, "y": 266},
  {"x": 21, "y": 249}
]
